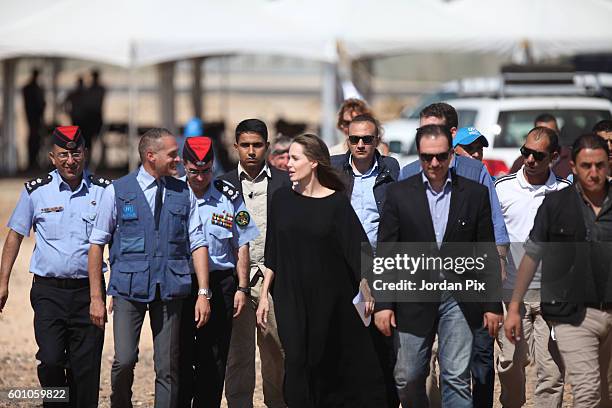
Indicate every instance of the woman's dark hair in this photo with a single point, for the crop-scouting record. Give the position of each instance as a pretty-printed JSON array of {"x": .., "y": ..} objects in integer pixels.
[
  {"x": 316, "y": 150},
  {"x": 589, "y": 141}
]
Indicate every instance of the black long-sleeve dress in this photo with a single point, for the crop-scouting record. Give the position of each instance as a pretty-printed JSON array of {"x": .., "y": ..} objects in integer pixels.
[{"x": 313, "y": 247}]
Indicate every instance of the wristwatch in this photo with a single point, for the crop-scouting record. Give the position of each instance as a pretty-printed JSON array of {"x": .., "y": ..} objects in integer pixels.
[
  {"x": 207, "y": 293},
  {"x": 504, "y": 258},
  {"x": 246, "y": 291}
]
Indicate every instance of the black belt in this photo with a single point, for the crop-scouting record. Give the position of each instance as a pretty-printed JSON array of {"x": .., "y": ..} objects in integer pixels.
[
  {"x": 62, "y": 283},
  {"x": 258, "y": 275},
  {"x": 600, "y": 306}
]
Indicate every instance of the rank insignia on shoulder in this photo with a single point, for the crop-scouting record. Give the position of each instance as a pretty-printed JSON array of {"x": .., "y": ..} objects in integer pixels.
[
  {"x": 224, "y": 219},
  {"x": 227, "y": 189},
  {"x": 37, "y": 182},
  {"x": 243, "y": 218},
  {"x": 99, "y": 181}
]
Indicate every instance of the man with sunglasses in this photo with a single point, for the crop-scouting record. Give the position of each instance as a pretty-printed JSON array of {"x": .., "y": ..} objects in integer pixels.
[
  {"x": 61, "y": 207},
  {"x": 520, "y": 195},
  {"x": 228, "y": 228},
  {"x": 456, "y": 210},
  {"x": 368, "y": 174},
  {"x": 483, "y": 357}
]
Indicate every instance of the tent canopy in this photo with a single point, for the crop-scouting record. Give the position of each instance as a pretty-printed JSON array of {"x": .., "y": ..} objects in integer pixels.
[{"x": 142, "y": 32}]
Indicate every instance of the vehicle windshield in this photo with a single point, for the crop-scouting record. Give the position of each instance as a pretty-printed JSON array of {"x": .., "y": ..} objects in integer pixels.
[{"x": 572, "y": 123}]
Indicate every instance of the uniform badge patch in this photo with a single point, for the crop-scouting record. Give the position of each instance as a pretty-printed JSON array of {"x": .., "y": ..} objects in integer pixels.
[
  {"x": 243, "y": 218},
  {"x": 129, "y": 212},
  {"x": 224, "y": 219}
]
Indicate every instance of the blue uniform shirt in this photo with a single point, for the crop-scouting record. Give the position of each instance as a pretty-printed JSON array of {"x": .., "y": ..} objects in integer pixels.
[
  {"x": 106, "y": 221},
  {"x": 62, "y": 220},
  {"x": 364, "y": 202},
  {"x": 474, "y": 170},
  {"x": 228, "y": 226}
]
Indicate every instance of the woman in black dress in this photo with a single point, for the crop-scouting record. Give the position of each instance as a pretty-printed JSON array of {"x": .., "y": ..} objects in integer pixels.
[{"x": 312, "y": 254}]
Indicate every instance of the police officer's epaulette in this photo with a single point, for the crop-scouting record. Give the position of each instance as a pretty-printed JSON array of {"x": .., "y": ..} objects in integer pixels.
[
  {"x": 37, "y": 182},
  {"x": 99, "y": 181},
  {"x": 227, "y": 189}
]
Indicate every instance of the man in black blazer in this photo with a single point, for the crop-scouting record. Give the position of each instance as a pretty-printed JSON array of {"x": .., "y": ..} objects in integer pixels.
[
  {"x": 257, "y": 182},
  {"x": 436, "y": 206}
]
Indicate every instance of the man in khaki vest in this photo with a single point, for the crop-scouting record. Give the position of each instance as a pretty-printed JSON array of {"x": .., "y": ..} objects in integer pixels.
[{"x": 257, "y": 183}]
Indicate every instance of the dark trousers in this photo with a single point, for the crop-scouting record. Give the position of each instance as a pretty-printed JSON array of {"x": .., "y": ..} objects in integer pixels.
[
  {"x": 387, "y": 358},
  {"x": 203, "y": 351},
  {"x": 69, "y": 345},
  {"x": 482, "y": 368}
]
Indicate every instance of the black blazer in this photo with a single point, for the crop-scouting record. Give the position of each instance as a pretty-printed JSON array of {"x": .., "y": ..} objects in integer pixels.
[
  {"x": 406, "y": 218},
  {"x": 277, "y": 180}
]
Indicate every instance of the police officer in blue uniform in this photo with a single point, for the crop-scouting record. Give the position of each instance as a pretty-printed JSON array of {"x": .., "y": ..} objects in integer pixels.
[
  {"x": 152, "y": 224},
  {"x": 229, "y": 229},
  {"x": 61, "y": 208}
]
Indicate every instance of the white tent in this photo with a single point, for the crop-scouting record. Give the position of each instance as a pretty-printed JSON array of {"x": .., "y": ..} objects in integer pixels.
[
  {"x": 142, "y": 32},
  {"x": 551, "y": 28}
]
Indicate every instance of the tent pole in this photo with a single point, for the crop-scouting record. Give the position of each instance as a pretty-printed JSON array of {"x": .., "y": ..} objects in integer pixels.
[
  {"x": 166, "y": 95},
  {"x": 197, "y": 89},
  {"x": 133, "y": 158},
  {"x": 8, "y": 139},
  {"x": 56, "y": 67},
  {"x": 328, "y": 103}
]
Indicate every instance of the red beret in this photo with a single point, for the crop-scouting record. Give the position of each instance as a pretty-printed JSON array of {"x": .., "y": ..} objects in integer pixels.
[
  {"x": 198, "y": 150},
  {"x": 67, "y": 137}
]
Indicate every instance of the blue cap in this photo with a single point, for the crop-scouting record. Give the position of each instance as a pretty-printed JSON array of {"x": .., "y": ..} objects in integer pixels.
[
  {"x": 194, "y": 127},
  {"x": 467, "y": 135}
]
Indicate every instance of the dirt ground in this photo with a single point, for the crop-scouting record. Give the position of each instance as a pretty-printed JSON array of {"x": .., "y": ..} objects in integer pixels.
[{"x": 18, "y": 347}]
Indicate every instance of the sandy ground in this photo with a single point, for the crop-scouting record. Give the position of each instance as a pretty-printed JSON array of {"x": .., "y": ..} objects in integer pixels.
[{"x": 18, "y": 347}]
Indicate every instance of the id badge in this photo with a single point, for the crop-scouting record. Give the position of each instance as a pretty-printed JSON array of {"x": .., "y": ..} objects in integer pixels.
[{"x": 129, "y": 212}]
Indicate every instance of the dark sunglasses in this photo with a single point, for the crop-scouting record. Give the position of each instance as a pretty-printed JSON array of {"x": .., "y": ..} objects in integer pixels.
[
  {"x": 367, "y": 140},
  {"x": 195, "y": 172},
  {"x": 526, "y": 152},
  {"x": 428, "y": 157}
]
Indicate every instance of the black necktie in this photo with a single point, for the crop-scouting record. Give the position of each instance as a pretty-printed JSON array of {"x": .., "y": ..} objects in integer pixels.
[{"x": 158, "y": 202}]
